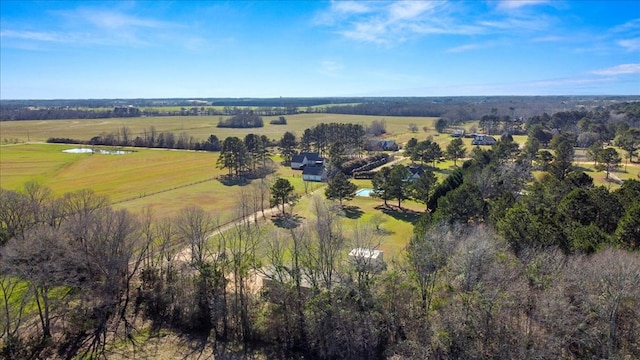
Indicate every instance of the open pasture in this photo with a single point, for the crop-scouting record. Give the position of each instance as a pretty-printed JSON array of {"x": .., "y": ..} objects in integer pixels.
[
  {"x": 200, "y": 127},
  {"x": 164, "y": 180},
  {"x": 167, "y": 181}
]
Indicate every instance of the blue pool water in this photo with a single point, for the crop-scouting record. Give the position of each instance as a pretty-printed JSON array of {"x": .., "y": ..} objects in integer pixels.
[{"x": 364, "y": 192}]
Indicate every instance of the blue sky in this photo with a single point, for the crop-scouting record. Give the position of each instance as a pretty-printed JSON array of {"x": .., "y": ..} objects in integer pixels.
[{"x": 195, "y": 49}]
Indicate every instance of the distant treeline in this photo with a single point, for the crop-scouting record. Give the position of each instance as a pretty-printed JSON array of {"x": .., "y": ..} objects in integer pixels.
[
  {"x": 390, "y": 108},
  {"x": 454, "y": 109},
  {"x": 12, "y": 113},
  {"x": 8, "y": 113},
  {"x": 148, "y": 139}
]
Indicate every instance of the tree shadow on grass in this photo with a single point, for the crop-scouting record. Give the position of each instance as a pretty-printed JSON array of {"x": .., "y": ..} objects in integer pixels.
[
  {"x": 352, "y": 212},
  {"x": 583, "y": 169},
  {"x": 205, "y": 347},
  {"x": 287, "y": 221},
  {"x": 408, "y": 215},
  {"x": 385, "y": 232},
  {"x": 198, "y": 346},
  {"x": 447, "y": 171},
  {"x": 234, "y": 180}
]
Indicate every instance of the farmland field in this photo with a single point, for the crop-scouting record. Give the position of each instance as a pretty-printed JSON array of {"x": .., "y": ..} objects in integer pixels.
[
  {"x": 167, "y": 181},
  {"x": 164, "y": 180},
  {"x": 200, "y": 127}
]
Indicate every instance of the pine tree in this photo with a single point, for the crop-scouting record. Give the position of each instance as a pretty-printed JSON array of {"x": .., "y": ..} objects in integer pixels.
[
  {"x": 422, "y": 187},
  {"x": 340, "y": 188},
  {"x": 455, "y": 150},
  {"x": 282, "y": 193}
]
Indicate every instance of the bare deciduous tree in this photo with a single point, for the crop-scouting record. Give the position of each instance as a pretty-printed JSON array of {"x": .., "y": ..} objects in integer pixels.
[
  {"x": 195, "y": 226},
  {"x": 16, "y": 214}
]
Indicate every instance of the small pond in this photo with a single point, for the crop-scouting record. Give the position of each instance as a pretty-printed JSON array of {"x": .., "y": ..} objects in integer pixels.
[{"x": 92, "y": 151}]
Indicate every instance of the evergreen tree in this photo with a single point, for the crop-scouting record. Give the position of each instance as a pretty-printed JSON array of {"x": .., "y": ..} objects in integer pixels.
[
  {"x": 451, "y": 182},
  {"x": 628, "y": 231},
  {"x": 629, "y": 141},
  {"x": 381, "y": 184},
  {"x": 593, "y": 151},
  {"x": 455, "y": 150},
  {"x": 234, "y": 156},
  {"x": 462, "y": 205},
  {"x": 306, "y": 141},
  {"x": 562, "y": 146},
  {"x": 252, "y": 143},
  {"x": 422, "y": 187},
  {"x": 336, "y": 155},
  {"x": 288, "y": 146},
  {"x": 282, "y": 193},
  {"x": 339, "y": 187},
  {"x": 410, "y": 146},
  {"x": 628, "y": 193},
  {"x": 397, "y": 183},
  {"x": 608, "y": 159}
]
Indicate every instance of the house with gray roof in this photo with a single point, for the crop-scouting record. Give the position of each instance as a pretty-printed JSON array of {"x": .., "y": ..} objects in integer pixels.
[
  {"x": 314, "y": 173},
  {"x": 306, "y": 158}
]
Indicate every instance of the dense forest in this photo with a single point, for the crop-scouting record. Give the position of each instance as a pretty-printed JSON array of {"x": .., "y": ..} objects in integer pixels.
[{"x": 504, "y": 263}]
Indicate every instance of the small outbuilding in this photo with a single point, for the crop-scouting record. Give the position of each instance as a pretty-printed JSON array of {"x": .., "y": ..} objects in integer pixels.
[
  {"x": 483, "y": 140},
  {"x": 457, "y": 133},
  {"x": 366, "y": 259}
]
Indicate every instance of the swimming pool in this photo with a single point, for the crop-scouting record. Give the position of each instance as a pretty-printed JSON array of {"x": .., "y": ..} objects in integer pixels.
[{"x": 364, "y": 192}]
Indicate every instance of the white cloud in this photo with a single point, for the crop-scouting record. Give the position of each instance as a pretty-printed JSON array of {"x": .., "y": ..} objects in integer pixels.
[
  {"x": 551, "y": 38},
  {"x": 622, "y": 69},
  {"x": 109, "y": 19},
  {"x": 563, "y": 83},
  {"x": 350, "y": 7},
  {"x": 330, "y": 68},
  {"x": 339, "y": 11},
  {"x": 34, "y": 35},
  {"x": 104, "y": 27},
  {"x": 517, "y": 4},
  {"x": 408, "y": 10},
  {"x": 394, "y": 22},
  {"x": 533, "y": 23},
  {"x": 30, "y": 40},
  {"x": 463, "y": 48},
  {"x": 632, "y": 25},
  {"x": 630, "y": 44}
]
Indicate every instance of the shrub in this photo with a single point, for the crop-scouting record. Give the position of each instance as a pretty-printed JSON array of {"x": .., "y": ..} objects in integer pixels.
[
  {"x": 244, "y": 120},
  {"x": 279, "y": 121}
]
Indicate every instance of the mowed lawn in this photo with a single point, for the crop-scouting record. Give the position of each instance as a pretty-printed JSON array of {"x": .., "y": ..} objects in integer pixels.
[{"x": 395, "y": 225}]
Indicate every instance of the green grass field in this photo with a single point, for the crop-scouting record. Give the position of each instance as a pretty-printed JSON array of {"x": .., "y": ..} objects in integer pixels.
[
  {"x": 164, "y": 180},
  {"x": 167, "y": 181},
  {"x": 396, "y": 226},
  {"x": 200, "y": 127}
]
